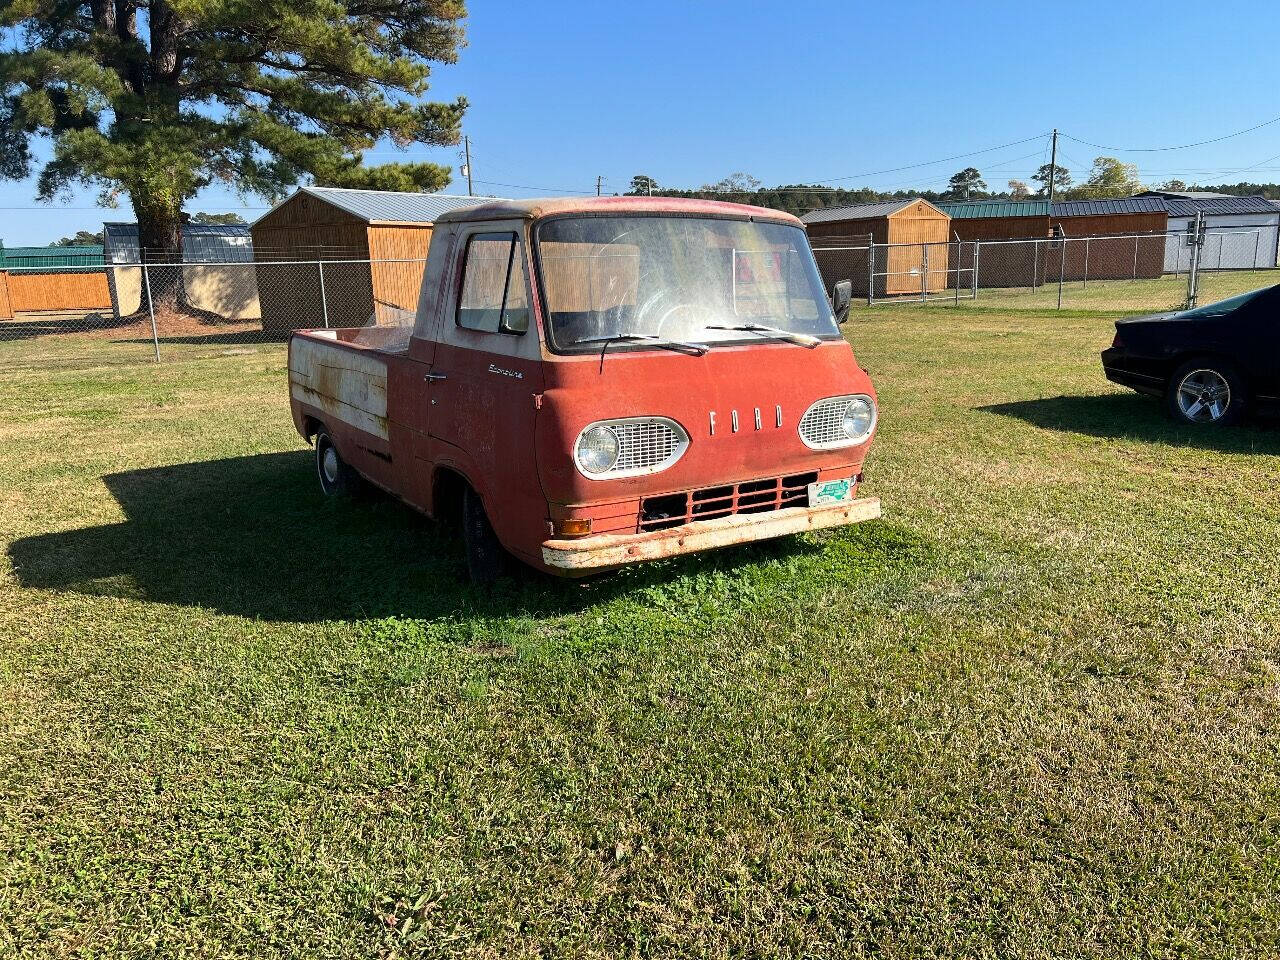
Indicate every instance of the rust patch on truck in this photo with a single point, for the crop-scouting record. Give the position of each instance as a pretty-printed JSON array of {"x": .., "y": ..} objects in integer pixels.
[
  {"x": 615, "y": 550},
  {"x": 345, "y": 384}
]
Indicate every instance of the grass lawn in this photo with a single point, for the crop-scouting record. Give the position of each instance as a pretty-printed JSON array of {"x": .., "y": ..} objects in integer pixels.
[
  {"x": 1112, "y": 296},
  {"x": 1034, "y": 711}
]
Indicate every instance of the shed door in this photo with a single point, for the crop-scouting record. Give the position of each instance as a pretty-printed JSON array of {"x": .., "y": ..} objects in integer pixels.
[{"x": 919, "y": 234}]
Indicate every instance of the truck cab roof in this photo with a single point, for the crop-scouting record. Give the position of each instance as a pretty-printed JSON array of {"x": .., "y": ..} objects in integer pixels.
[{"x": 537, "y": 208}]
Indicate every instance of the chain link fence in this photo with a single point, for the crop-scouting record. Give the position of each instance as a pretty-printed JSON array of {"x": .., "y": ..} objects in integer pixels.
[
  {"x": 66, "y": 311},
  {"x": 1126, "y": 273},
  {"x": 131, "y": 311}
]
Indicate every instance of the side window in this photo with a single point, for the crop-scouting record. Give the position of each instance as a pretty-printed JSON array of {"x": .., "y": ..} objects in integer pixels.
[{"x": 493, "y": 285}]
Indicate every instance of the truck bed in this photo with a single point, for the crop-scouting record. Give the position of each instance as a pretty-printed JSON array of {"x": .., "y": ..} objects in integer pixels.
[{"x": 341, "y": 378}]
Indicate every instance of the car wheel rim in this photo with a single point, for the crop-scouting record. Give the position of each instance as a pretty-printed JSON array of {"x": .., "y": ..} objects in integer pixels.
[
  {"x": 329, "y": 464},
  {"x": 1204, "y": 396}
]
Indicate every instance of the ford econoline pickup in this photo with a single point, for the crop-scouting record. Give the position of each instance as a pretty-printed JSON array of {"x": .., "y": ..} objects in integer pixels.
[{"x": 590, "y": 383}]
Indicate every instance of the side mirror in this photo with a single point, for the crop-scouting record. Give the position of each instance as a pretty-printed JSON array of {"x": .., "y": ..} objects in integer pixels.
[{"x": 841, "y": 297}]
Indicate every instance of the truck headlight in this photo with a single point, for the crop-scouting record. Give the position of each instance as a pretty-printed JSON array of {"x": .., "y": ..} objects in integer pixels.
[
  {"x": 859, "y": 417},
  {"x": 838, "y": 422},
  {"x": 629, "y": 447},
  {"x": 597, "y": 450}
]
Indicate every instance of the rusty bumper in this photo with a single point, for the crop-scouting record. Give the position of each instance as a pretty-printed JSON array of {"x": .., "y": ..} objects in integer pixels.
[{"x": 615, "y": 550}]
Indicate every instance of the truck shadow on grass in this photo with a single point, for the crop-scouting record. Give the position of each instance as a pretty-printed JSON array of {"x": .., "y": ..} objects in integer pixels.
[
  {"x": 1119, "y": 416},
  {"x": 253, "y": 536}
]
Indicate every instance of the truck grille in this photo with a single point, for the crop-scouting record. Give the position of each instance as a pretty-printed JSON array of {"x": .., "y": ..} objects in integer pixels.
[
  {"x": 753, "y": 496},
  {"x": 645, "y": 443},
  {"x": 823, "y": 423}
]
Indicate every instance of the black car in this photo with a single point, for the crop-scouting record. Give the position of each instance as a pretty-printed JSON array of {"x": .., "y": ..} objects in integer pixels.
[{"x": 1210, "y": 364}]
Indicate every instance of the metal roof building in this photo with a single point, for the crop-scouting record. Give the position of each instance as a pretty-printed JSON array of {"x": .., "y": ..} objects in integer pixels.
[
  {"x": 994, "y": 209},
  {"x": 81, "y": 255},
  {"x": 381, "y": 238},
  {"x": 1118, "y": 207},
  {"x": 201, "y": 243},
  {"x": 857, "y": 211},
  {"x": 1243, "y": 232},
  {"x": 383, "y": 206}
]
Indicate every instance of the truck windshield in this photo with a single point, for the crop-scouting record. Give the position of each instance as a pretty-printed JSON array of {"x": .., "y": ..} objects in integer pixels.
[{"x": 685, "y": 279}]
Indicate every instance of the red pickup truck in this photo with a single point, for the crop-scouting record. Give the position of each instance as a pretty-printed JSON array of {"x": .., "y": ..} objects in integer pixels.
[{"x": 592, "y": 383}]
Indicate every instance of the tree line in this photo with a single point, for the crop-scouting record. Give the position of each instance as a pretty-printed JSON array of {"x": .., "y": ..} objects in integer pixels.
[{"x": 1108, "y": 178}]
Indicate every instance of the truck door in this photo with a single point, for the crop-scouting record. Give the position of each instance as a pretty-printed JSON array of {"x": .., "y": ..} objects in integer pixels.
[{"x": 484, "y": 378}]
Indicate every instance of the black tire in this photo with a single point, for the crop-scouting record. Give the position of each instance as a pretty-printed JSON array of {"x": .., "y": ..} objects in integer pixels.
[
  {"x": 1206, "y": 392},
  {"x": 485, "y": 557},
  {"x": 337, "y": 478}
]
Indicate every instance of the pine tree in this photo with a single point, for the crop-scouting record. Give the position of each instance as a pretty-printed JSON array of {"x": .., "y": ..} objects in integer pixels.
[{"x": 156, "y": 99}]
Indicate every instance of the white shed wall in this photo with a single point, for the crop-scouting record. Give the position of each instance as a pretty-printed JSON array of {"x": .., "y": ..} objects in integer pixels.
[{"x": 1238, "y": 242}]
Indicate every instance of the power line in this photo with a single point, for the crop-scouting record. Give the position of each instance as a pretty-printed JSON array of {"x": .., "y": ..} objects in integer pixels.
[
  {"x": 1184, "y": 146},
  {"x": 528, "y": 186},
  {"x": 930, "y": 163}
]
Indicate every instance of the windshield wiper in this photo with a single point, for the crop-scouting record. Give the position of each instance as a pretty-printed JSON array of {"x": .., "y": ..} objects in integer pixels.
[
  {"x": 679, "y": 345},
  {"x": 801, "y": 338}
]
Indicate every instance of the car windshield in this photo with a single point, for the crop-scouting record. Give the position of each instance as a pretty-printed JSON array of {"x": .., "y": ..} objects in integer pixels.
[
  {"x": 692, "y": 280},
  {"x": 1224, "y": 306}
]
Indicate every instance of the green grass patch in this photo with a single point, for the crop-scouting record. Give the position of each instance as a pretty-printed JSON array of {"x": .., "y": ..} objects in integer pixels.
[
  {"x": 1142, "y": 295},
  {"x": 1034, "y": 711}
]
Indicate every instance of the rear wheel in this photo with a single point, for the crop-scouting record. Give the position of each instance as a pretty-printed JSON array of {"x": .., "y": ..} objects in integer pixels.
[
  {"x": 337, "y": 478},
  {"x": 1206, "y": 392},
  {"x": 485, "y": 556}
]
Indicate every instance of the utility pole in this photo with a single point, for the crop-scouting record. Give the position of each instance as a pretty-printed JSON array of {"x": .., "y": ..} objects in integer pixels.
[
  {"x": 1053, "y": 167},
  {"x": 466, "y": 145},
  {"x": 599, "y": 180}
]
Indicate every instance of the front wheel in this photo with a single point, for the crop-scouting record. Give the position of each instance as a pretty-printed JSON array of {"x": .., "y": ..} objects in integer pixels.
[
  {"x": 485, "y": 556},
  {"x": 1206, "y": 393}
]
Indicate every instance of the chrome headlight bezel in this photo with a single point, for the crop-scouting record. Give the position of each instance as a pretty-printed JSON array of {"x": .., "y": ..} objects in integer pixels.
[
  {"x": 833, "y": 409},
  {"x": 632, "y": 459}
]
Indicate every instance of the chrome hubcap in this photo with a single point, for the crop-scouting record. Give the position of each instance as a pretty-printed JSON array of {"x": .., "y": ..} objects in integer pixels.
[
  {"x": 329, "y": 463},
  {"x": 1204, "y": 396}
]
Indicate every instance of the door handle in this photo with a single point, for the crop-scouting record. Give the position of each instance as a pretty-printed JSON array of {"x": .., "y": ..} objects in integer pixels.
[{"x": 434, "y": 376}]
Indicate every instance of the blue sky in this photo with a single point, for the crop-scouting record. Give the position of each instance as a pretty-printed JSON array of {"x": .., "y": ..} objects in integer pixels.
[{"x": 805, "y": 91}]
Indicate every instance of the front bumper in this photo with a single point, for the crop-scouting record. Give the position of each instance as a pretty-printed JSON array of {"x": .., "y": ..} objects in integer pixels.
[{"x": 609, "y": 550}]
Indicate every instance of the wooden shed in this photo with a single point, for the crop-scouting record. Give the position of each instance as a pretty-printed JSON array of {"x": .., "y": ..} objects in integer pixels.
[
  {"x": 919, "y": 230},
  {"x": 1008, "y": 264},
  {"x": 1126, "y": 238},
  {"x": 51, "y": 279},
  {"x": 998, "y": 219},
  {"x": 373, "y": 244}
]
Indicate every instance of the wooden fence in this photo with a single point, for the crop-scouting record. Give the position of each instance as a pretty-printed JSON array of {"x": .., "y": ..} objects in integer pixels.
[{"x": 44, "y": 291}]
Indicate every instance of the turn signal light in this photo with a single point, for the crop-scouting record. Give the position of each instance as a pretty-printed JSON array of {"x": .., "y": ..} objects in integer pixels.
[{"x": 577, "y": 527}]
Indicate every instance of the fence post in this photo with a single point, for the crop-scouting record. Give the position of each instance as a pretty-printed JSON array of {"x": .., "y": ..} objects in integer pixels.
[
  {"x": 871, "y": 272},
  {"x": 977, "y": 249},
  {"x": 1085, "y": 285},
  {"x": 1135, "y": 256},
  {"x": 324, "y": 303},
  {"x": 151, "y": 309},
  {"x": 1257, "y": 242},
  {"x": 956, "y": 261},
  {"x": 924, "y": 273},
  {"x": 1193, "y": 266},
  {"x": 1062, "y": 268}
]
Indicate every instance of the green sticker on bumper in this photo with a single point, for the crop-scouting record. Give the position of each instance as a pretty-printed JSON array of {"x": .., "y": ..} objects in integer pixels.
[{"x": 827, "y": 492}]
